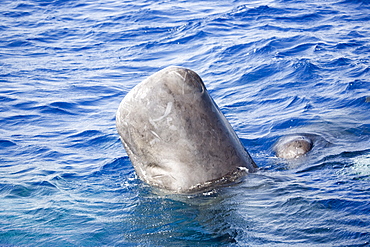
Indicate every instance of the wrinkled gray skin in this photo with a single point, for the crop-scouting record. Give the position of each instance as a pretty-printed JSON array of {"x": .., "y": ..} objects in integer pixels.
[
  {"x": 176, "y": 136},
  {"x": 293, "y": 146}
]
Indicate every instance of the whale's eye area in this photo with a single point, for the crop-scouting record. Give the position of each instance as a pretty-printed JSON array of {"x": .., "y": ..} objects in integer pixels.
[{"x": 152, "y": 164}]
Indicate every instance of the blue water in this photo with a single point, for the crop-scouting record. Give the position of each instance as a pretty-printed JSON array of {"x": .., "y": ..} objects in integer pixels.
[{"x": 274, "y": 67}]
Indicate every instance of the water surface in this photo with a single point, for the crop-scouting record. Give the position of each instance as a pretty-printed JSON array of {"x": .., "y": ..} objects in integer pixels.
[{"x": 274, "y": 68}]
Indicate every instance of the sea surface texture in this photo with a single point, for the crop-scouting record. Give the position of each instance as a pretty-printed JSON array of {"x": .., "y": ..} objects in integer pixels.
[{"x": 275, "y": 68}]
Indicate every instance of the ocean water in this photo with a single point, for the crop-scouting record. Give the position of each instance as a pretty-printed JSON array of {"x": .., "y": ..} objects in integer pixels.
[{"x": 274, "y": 67}]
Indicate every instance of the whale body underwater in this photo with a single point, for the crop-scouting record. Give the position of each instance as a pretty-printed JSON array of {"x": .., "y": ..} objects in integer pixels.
[{"x": 178, "y": 139}]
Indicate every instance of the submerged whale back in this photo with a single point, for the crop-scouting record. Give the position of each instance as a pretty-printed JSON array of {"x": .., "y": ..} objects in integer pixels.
[
  {"x": 293, "y": 146},
  {"x": 176, "y": 136}
]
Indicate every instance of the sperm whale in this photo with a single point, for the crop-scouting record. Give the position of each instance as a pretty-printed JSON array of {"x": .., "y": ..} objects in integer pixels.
[{"x": 176, "y": 136}]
